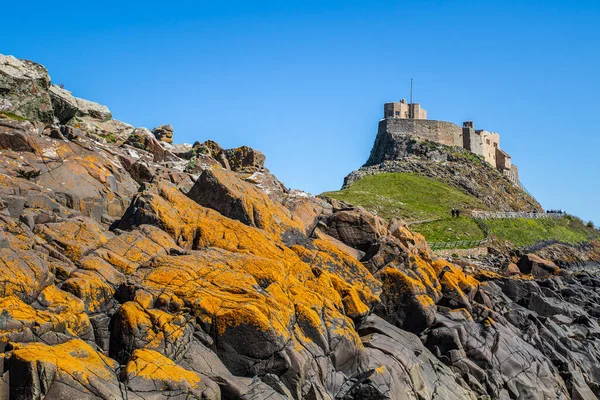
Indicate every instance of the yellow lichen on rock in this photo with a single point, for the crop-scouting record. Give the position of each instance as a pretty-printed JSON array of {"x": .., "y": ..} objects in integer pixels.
[
  {"x": 74, "y": 361},
  {"x": 242, "y": 201},
  {"x": 63, "y": 313},
  {"x": 154, "y": 367},
  {"x": 127, "y": 251},
  {"x": 22, "y": 273},
  {"x": 90, "y": 287},
  {"x": 75, "y": 236}
]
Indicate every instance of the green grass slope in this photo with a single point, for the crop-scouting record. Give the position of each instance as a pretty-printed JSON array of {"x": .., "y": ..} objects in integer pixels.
[
  {"x": 426, "y": 203},
  {"x": 406, "y": 195},
  {"x": 526, "y": 232},
  {"x": 450, "y": 230}
]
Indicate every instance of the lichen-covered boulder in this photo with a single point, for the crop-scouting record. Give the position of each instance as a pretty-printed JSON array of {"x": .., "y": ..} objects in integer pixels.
[
  {"x": 164, "y": 133},
  {"x": 158, "y": 377},
  {"x": 245, "y": 159},
  {"x": 72, "y": 370},
  {"x": 24, "y": 89},
  {"x": 224, "y": 192}
]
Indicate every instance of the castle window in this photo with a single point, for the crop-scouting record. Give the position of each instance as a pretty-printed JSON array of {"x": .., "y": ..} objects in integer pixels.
[
  {"x": 487, "y": 141},
  {"x": 495, "y": 145},
  {"x": 397, "y": 113}
]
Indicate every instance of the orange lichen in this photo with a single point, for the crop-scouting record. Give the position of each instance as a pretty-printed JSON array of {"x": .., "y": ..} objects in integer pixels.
[
  {"x": 74, "y": 360},
  {"x": 76, "y": 237},
  {"x": 128, "y": 251},
  {"x": 23, "y": 272},
  {"x": 154, "y": 327},
  {"x": 246, "y": 277},
  {"x": 260, "y": 210},
  {"x": 164, "y": 373},
  {"x": 90, "y": 287}
]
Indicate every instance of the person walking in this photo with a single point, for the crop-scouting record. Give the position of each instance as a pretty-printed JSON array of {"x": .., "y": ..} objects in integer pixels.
[
  {"x": 453, "y": 213},
  {"x": 457, "y": 213}
]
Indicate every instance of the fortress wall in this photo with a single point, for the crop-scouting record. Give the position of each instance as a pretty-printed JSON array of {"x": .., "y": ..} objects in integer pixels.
[
  {"x": 472, "y": 141},
  {"x": 437, "y": 131}
]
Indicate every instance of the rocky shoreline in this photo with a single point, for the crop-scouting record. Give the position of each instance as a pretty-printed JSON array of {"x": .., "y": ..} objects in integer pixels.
[{"x": 135, "y": 268}]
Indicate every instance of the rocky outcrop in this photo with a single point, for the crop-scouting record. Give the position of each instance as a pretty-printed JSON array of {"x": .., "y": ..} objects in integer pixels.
[
  {"x": 66, "y": 106},
  {"x": 454, "y": 166},
  {"x": 164, "y": 133},
  {"x": 129, "y": 273},
  {"x": 24, "y": 89}
]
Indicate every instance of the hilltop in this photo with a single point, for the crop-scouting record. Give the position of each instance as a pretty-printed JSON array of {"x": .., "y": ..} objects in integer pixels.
[
  {"x": 419, "y": 170},
  {"x": 138, "y": 268}
]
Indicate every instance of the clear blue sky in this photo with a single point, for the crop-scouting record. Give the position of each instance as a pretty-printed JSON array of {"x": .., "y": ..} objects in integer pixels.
[{"x": 305, "y": 81}]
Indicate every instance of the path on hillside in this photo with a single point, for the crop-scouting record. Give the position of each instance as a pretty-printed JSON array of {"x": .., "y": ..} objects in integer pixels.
[
  {"x": 480, "y": 216},
  {"x": 423, "y": 221}
]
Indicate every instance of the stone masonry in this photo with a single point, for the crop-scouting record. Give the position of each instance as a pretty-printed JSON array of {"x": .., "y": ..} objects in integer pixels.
[{"x": 410, "y": 120}]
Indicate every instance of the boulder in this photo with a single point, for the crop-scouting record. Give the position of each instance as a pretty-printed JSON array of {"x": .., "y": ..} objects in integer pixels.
[
  {"x": 537, "y": 266},
  {"x": 143, "y": 139},
  {"x": 158, "y": 377},
  {"x": 24, "y": 89},
  {"x": 64, "y": 104},
  {"x": 245, "y": 159},
  {"x": 18, "y": 136},
  {"x": 164, "y": 133},
  {"x": 212, "y": 150},
  {"x": 512, "y": 269},
  {"x": 356, "y": 227},
  {"x": 224, "y": 192},
  {"x": 72, "y": 370}
]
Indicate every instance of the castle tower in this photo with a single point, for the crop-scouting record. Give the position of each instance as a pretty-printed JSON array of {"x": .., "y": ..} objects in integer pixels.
[{"x": 404, "y": 110}]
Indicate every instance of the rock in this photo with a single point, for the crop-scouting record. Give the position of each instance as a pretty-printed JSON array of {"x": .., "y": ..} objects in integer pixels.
[
  {"x": 356, "y": 227},
  {"x": 94, "y": 110},
  {"x": 164, "y": 133},
  {"x": 245, "y": 159},
  {"x": 24, "y": 273},
  {"x": 155, "y": 375},
  {"x": 537, "y": 266},
  {"x": 143, "y": 139},
  {"x": 272, "y": 187},
  {"x": 111, "y": 130},
  {"x": 24, "y": 89},
  {"x": 64, "y": 104},
  {"x": 16, "y": 136},
  {"x": 213, "y": 151},
  {"x": 224, "y": 192},
  {"x": 400, "y": 367},
  {"x": 76, "y": 236},
  {"x": 15, "y": 205},
  {"x": 512, "y": 269},
  {"x": 69, "y": 370}
]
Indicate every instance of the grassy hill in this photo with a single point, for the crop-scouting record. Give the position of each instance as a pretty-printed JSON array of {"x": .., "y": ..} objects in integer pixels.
[
  {"x": 409, "y": 196},
  {"x": 526, "y": 232},
  {"x": 426, "y": 204}
]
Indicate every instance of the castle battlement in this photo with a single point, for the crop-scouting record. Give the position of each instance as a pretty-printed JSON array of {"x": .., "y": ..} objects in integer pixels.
[{"x": 409, "y": 119}]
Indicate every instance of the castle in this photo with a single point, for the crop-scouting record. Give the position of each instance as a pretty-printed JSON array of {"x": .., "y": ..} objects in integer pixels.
[{"x": 410, "y": 119}]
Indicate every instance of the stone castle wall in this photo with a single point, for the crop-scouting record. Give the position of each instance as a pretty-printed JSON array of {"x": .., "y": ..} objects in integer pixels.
[{"x": 437, "y": 131}]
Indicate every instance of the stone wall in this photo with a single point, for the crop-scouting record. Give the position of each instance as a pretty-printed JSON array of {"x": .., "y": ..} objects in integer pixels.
[
  {"x": 490, "y": 142},
  {"x": 402, "y": 109},
  {"x": 396, "y": 137},
  {"x": 437, "y": 131},
  {"x": 467, "y": 253},
  {"x": 472, "y": 141},
  {"x": 513, "y": 174}
]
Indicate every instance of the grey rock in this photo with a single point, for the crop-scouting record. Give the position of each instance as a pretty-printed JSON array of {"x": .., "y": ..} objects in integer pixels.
[{"x": 24, "y": 89}]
